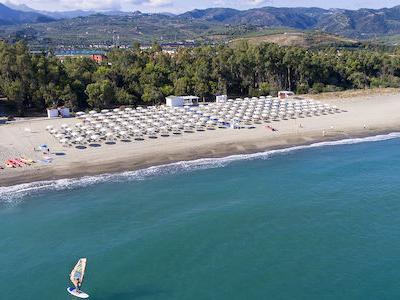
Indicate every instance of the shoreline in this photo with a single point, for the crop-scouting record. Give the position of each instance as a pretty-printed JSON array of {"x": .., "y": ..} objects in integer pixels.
[
  {"x": 360, "y": 117},
  {"x": 112, "y": 167}
]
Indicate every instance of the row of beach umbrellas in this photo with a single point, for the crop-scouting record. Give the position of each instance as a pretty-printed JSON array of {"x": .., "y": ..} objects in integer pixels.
[{"x": 155, "y": 121}]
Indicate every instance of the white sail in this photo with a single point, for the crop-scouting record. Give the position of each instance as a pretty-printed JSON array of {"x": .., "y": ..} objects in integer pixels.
[{"x": 78, "y": 272}]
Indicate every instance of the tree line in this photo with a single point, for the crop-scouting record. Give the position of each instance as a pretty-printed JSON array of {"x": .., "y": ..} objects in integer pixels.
[{"x": 139, "y": 77}]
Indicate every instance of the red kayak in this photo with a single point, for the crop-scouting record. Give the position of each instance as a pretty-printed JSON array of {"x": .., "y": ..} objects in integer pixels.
[
  {"x": 16, "y": 163},
  {"x": 10, "y": 164}
]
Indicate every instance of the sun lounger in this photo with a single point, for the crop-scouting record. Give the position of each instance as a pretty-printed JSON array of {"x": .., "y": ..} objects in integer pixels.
[{"x": 27, "y": 160}]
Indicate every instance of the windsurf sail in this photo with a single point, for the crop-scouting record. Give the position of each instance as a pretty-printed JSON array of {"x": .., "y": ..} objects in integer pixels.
[{"x": 78, "y": 272}]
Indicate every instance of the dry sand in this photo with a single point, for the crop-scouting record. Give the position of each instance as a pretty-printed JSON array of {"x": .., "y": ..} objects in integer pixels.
[{"x": 364, "y": 116}]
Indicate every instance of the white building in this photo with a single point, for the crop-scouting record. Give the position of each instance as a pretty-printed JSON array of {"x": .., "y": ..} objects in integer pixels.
[
  {"x": 221, "y": 98},
  {"x": 191, "y": 100},
  {"x": 179, "y": 101},
  {"x": 174, "y": 101}
]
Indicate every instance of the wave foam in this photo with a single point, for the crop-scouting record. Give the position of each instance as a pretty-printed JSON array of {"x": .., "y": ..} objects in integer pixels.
[{"x": 12, "y": 193}]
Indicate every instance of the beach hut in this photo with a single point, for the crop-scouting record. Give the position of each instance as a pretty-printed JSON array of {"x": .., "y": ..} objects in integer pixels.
[{"x": 174, "y": 101}]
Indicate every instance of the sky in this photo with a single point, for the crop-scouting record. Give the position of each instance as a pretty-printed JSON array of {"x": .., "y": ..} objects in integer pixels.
[{"x": 178, "y": 6}]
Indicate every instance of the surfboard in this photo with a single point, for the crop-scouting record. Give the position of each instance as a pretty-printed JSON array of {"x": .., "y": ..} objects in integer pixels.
[{"x": 81, "y": 294}]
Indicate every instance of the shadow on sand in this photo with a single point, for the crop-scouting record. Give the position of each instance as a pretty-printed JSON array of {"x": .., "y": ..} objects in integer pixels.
[{"x": 95, "y": 145}]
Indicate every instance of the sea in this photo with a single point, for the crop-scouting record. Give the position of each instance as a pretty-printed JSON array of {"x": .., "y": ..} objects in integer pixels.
[{"x": 310, "y": 222}]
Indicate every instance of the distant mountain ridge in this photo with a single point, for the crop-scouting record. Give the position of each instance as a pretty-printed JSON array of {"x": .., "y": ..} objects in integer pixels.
[
  {"x": 351, "y": 23},
  {"x": 9, "y": 16},
  {"x": 70, "y": 14},
  {"x": 361, "y": 23},
  {"x": 82, "y": 27}
]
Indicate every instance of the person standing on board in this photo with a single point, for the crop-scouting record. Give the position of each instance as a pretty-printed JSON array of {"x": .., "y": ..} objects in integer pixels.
[{"x": 78, "y": 286}]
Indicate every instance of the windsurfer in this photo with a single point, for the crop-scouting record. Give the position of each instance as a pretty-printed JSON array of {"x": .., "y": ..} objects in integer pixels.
[{"x": 76, "y": 277}]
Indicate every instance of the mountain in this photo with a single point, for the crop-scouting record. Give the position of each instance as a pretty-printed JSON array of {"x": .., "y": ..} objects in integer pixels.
[
  {"x": 69, "y": 14},
  {"x": 211, "y": 14},
  {"x": 9, "y": 16},
  {"x": 296, "y": 38},
  {"x": 351, "y": 23},
  {"x": 362, "y": 23},
  {"x": 213, "y": 25}
]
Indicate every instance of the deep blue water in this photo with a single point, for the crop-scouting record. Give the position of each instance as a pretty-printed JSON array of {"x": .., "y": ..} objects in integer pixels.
[{"x": 317, "y": 223}]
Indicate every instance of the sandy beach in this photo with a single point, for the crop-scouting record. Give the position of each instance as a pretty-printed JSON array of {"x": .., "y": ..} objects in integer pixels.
[{"x": 362, "y": 116}]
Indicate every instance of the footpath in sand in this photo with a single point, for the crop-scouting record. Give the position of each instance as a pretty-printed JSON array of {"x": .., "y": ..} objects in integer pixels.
[{"x": 365, "y": 116}]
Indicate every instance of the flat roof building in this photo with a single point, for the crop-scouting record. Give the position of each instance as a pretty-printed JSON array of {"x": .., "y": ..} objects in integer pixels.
[{"x": 179, "y": 101}]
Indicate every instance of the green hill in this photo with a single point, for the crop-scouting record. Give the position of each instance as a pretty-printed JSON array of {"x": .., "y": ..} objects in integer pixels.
[{"x": 296, "y": 38}]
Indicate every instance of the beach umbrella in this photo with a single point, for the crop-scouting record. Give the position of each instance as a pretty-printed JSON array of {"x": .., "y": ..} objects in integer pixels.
[{"x": 79, "y": 139}]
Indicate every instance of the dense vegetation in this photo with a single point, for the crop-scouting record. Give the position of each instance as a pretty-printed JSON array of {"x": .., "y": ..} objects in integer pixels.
[{"x": 134, "y": 76}]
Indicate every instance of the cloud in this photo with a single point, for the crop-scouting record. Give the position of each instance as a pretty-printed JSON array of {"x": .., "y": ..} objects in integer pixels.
[
  {"x": 153, "y": 3},
  {"x": 242, "y": 3},
  {"x": 92, "y": 4}
]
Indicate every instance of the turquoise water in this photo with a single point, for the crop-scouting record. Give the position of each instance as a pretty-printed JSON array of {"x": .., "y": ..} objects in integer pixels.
[{"x": 317, "y": 223}]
